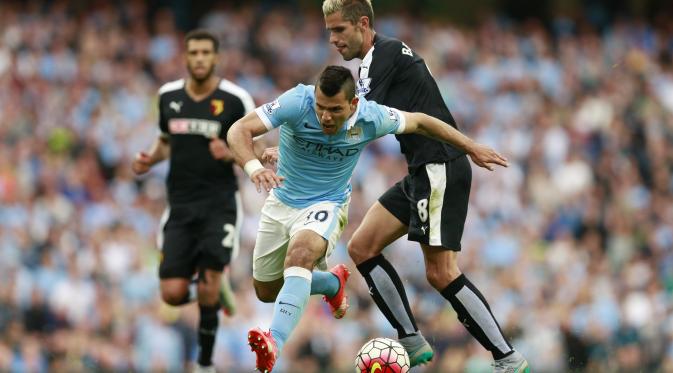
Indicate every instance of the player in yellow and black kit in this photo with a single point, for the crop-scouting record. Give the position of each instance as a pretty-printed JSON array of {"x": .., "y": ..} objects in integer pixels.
[{"x": 200, "y": 228}]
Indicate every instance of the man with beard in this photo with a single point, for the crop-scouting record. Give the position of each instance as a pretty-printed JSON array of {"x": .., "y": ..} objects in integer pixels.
[
  {"x": 200, "y": 227},
  {"x": 429, "y": 204}
]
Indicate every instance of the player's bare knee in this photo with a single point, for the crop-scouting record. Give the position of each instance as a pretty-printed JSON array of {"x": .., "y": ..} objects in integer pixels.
[
  {"x": 440, "y": 277},
  {"x": 355, "y": 252},
  {"x": 174, "y": 298},
  {"x": 300, "y": 256},
  {"x": 438, "y": 274},
  {"x": 360, "y": 251}
]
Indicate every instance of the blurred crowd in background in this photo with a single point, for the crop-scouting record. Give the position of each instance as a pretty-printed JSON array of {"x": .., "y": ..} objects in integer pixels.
[{"x": 572, "y": 245}]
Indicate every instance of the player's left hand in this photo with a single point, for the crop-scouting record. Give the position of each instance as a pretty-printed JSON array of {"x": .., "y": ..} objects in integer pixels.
[
  {"x": 485, "y": 157},
  {"x": 219, "y": 150},
  {"x": 270, "y": 155},
  {"x": 266, "y": 178}
]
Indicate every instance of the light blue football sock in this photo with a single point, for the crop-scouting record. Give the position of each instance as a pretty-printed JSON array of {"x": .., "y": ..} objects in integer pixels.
[
  {"x": 325, "y": 283},
  {"x": 290, "y": 304}
]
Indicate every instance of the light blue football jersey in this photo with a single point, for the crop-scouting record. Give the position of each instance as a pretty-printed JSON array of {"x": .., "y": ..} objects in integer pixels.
[{"x": 318, "y": 167}]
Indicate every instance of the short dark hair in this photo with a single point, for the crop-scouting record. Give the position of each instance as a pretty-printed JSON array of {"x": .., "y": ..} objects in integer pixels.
[
  {"x": 351, "y": 10},
  {"x": 202, "y": 34},
  {"x": 335, "y": 79}
]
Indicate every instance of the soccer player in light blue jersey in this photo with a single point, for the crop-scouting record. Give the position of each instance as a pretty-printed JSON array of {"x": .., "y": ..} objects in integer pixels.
[{"x": 323, "y": 130}]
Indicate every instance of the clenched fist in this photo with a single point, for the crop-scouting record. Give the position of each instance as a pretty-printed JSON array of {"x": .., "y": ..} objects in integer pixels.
[{"x": 141, "y": 164}]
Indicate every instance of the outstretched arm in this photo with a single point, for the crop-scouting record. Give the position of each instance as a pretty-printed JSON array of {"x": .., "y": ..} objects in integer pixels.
[
  {"x": 429, "y": 126},
  {"x": 240, "y": 137}
]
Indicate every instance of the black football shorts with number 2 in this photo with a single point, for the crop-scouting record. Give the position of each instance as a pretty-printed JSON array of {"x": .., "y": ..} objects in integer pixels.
[{"x": 198, "y": 236}]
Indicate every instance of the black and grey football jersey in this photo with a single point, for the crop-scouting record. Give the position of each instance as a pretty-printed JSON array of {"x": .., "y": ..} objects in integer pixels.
[
  {"x": 394, "y": 75},
  {"x": 190, "y": 125}
]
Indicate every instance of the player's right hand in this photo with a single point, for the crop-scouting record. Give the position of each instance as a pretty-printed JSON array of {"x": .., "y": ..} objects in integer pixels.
[
  {"x": 267, "y": 179},
  {"x": 141, "y": 164},
  {"x": 485, "y": 157}
]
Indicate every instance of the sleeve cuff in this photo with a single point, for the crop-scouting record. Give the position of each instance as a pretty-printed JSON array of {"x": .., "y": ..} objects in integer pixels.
[
  {"x": 265, "y": 118},
  {"x": 403, "y": 122}
]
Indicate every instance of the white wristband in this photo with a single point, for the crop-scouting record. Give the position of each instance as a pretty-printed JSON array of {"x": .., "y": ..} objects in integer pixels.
[{"x": 252, "y": 165}]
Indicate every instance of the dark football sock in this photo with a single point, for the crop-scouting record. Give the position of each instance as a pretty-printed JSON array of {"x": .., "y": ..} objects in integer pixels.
[
  {"x": 207, "y": 331},
  {"x": 385, "y": 287},
  {"x": 475, "y": 314}
]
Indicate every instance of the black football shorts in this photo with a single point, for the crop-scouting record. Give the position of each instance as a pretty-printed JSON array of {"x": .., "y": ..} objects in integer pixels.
[
  {"x": 196, "y": 236},
  {"x": 432, "y": 200}
]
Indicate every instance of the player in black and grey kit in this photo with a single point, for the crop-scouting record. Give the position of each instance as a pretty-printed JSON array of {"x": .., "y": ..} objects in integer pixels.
[
  {"x": 430, "y": 204},
  {"x": 199, "y": 233}
]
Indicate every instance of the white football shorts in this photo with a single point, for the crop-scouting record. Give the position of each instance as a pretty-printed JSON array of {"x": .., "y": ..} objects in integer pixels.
[{"x": 280, "y": 222}]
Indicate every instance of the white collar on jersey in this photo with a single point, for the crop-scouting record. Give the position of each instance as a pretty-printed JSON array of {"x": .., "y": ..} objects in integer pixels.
[
  {"x": 366, "y": 63},
  {"x": 350, "y": 122}
]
